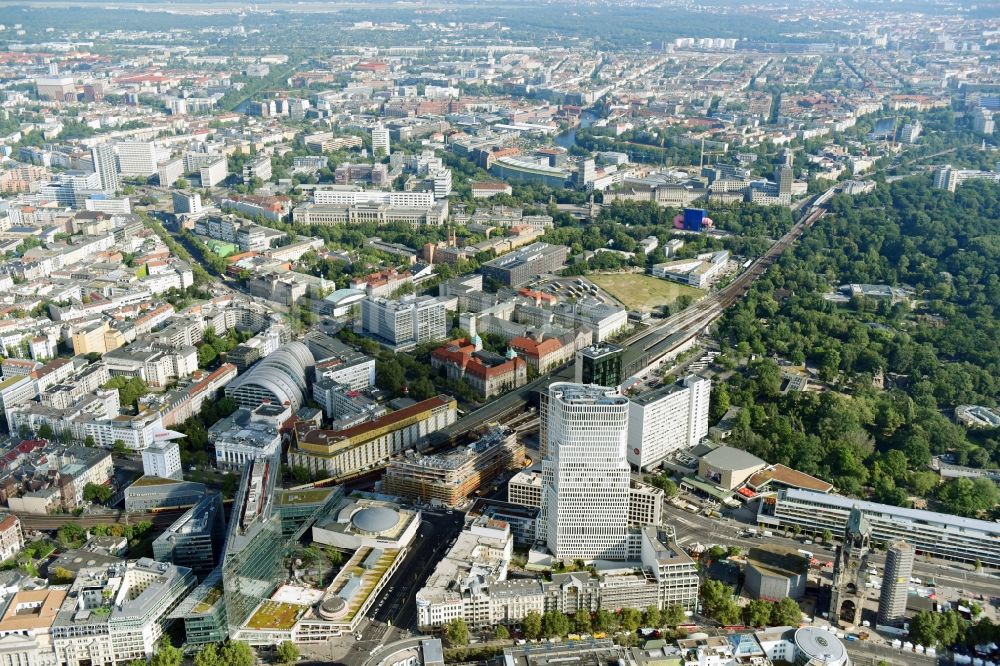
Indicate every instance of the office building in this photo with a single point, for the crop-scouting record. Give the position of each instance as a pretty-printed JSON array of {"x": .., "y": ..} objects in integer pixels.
[
  {"x": 195, "y": 540},
  {"x": 259, "y": 167},
  {"x": 117, "y": 614},
  {"x": 186, "y": 203},
  {"x": 162, "y": 459},
  {"x": 280, "y": 378},
  {"x": 948, "y": 178},
  {"x": 699, "y": 271},
  {"x": 203, "y": 612},
  {"x": 212, "y": 168},
  {"x": 348, "y": 368},
  {"x": 371, "y": 443},
  {"x": 71, "y": 188},
  {"x": 645, "y": 502},
  {"x": 784, "y": 176},
  {"x": 599, "y": 364},
  {"x": 516, "y": 268},
  {"x": 380, "y": 141},
  {"x": 450, "y": 478},
  {"x": 170, "y": 171},
  {"x": 405, "y": 323},
  {"x": 667, "y": 419},
  {"x": 982, "y": 121},
  {"x": 910, "y": 132},
  {"x": 246, "y": 435},
  {"x": 585, "y": 474},
  {"x": 899, "y": 557},
  {"x": 153, "y": 492},
  {"x": 136, "y": 158},
  {"x": 442, "y": 183},
  {"x": 106, "y": 167},
  {"x": 327, "y": 142},
  {"x": 252, "y": 565},
  {"x": 937, "y": 534}
]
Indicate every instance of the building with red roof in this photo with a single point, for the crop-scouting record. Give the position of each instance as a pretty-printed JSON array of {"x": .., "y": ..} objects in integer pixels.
[
  {"x": 543, "y": 355},
  {"x": 489, "y": 374}
]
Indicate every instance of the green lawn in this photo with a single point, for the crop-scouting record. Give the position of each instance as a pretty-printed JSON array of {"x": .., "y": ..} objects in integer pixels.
[{"x": 643, "y": 292}]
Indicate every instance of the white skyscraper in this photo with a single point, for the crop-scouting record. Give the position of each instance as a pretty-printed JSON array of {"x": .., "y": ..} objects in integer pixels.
[
  {"x": 668, "y": 419},
  {"x": 106, "y": 166},
  {"x": 380, "y": 141},
  {"x": 585, "y": 475},
  {"x": 136, "y": 158}
]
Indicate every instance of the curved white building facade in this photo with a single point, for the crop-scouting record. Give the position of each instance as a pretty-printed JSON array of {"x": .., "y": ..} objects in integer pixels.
[
  {"x": 585, "y": 475},
  {"x": 279, "y": 378}
]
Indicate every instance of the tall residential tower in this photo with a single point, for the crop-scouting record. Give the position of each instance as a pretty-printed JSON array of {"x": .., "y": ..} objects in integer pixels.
[
  {"x": 895, "y": 583},
  {"x": 106, "y": 166}
]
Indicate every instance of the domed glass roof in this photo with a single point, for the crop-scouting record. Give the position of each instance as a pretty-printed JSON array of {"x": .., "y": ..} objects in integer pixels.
[{"x": 375, "y": 519}]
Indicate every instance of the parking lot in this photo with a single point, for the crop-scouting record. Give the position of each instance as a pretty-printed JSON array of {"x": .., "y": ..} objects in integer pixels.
[{"x": 570, "y": 289}]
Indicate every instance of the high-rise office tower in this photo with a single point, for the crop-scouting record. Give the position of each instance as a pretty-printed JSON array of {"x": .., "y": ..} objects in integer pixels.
[
  {"x": 898, "y": 570},
  {"x": 380, "y": 141},
  {"x": 668, "y": 419},
  {"x": 599, "y": 364},
  {"x": 585, "y": 476},
  {"x": 136, "y": 158},
  {"x": 106, "y": 166},
  {"x": 784, "y": 176}
]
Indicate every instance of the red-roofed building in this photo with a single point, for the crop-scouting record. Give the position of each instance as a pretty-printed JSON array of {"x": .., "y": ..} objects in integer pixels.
[
  {"x": 539, "y": 297},
  {"x": 545, "y": 354},
  {"x": 371, "y": 66},
  {"x": 488, "y": 373}
]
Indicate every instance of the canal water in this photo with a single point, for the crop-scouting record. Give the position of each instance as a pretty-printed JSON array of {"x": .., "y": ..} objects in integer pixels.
[{"x": 568, "y": 138}]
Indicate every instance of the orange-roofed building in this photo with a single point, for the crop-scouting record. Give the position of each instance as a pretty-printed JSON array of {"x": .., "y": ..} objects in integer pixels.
[
  {"x": 489, "y": 374},
  {"x": 543, "y": 355}
]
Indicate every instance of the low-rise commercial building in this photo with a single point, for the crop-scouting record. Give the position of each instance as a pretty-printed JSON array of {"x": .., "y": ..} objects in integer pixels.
[
  {"x": 937, "y": 534},
  {"x": 118, "y": 614},
  {"x": 728, "y": 467},
  {"x": 152, "y": 492},
  {"x": 450, "y": 478},
  {"x": 471, "y": 581},
  {"x": 775, "y": 572},
  {"x": 246, "y": 435},
  {"x": 338, "y": 453}
]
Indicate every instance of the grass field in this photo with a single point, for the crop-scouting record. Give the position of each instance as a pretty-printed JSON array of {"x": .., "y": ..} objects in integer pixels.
[{"x": 643, "y": 292}]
